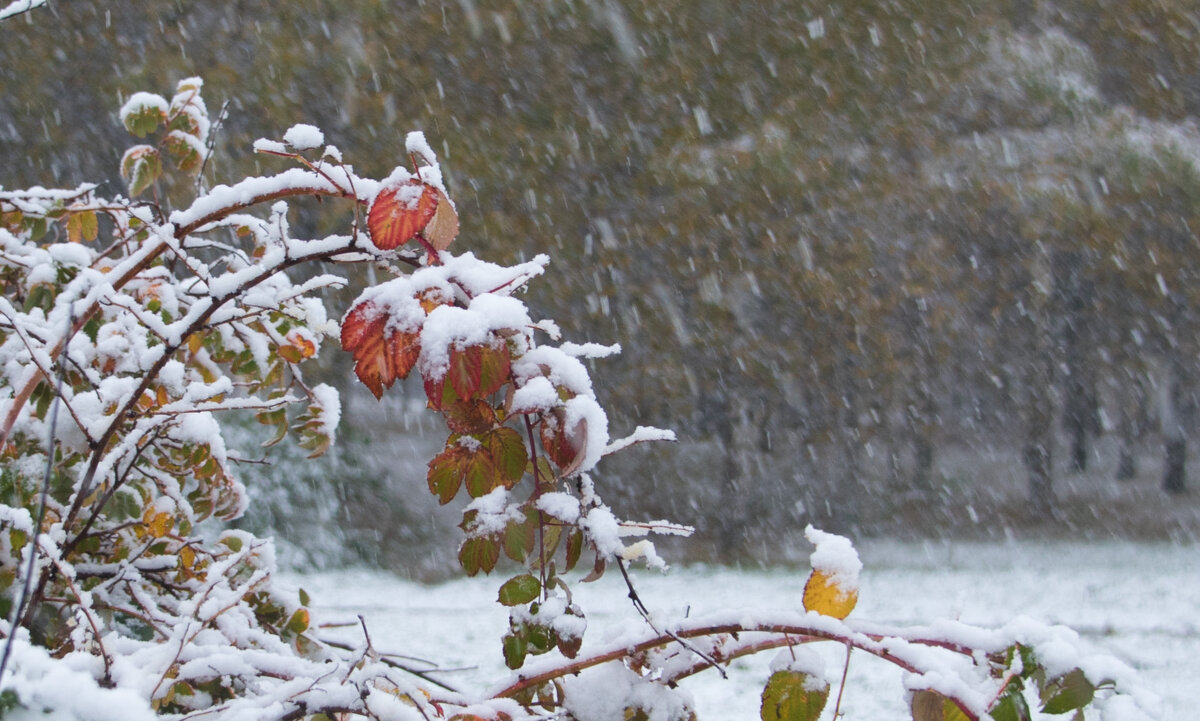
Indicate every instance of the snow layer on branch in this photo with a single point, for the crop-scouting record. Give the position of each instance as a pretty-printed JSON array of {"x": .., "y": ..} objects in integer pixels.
[
  {"x": 258, "y": 189},
  {"x": 603, "y": 694},
  {"x": 304, "y": 137},
  {"x": 68, "y": 688}
]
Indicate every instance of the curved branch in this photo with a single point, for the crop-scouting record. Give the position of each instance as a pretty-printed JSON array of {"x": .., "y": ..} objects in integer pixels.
[{"x": 786, "y": 634}]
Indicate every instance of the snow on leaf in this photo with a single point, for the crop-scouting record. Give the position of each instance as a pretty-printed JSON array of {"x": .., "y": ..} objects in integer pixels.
[
  {"x": 929, "y": 705},
  {"x": 381, "y": 352},
  {"x": 832, "y": 588},
  {"x": 143, "y": 112},
  {"x": 140, "y": 166},
  {"x": 400, "y": 212},
  {"x": 792, "y": 696}
]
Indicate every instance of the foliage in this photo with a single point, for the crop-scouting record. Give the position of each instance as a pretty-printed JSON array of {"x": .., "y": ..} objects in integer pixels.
[
  {"x": 146, "y": 326},
  {"x": 815, "y": 175}
]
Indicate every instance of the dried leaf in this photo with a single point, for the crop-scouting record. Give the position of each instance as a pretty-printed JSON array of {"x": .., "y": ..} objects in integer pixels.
[{"x": 443, "y": 227}]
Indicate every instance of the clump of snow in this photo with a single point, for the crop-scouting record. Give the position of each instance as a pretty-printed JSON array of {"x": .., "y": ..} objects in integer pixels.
[
  {"x": 805, "y": 660},
  {"x": 493, "y": 512},
  {"x": 263, "y": 145},
  {"x": 835, "y": 557},
  {"x": 304, "y": 137},
  {"x": 326, "y": 396},
  {"x": 560, "y": 506},
  {"x": 603, "y": 694},
  {"x": 142, "y": 101}
]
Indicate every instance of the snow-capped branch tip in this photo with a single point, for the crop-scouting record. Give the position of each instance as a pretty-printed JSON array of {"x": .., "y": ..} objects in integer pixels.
[{"x": 19, "y": 6}]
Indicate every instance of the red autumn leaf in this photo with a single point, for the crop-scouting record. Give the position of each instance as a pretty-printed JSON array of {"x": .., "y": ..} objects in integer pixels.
[
  {"x": 439, "y": 393},
  {"x": 494, "y": 369},
  {"x": 381, "y": 355},
  {"x": 466, "y": 367},
  {"x": 400, "y": 212},
  {"x": 563, "y": 445}
]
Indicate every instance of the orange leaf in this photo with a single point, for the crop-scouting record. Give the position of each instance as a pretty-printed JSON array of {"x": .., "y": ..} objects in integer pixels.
[
  {"x": 494, "y": 369},
  {"x": 381, "y": 355},
  {"x": 466, "y": 367},
  {"x": 400, "y": 212}
]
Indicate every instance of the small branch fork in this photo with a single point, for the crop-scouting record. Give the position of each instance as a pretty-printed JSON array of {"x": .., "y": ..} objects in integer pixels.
[{"x": 645, "y": 613}]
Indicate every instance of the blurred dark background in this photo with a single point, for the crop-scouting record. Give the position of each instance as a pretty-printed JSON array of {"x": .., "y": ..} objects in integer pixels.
[{"x": 907, "y": 268}]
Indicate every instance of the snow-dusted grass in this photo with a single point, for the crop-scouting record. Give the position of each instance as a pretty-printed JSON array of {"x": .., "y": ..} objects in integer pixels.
[{"x": 1139, "y": 602}]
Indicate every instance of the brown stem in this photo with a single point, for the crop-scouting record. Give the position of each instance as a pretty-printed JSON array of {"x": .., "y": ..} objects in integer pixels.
[{"x": 787, "y": 634}]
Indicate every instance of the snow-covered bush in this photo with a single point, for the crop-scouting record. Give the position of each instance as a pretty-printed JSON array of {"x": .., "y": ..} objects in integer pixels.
[{"x": 128, "y": 331}]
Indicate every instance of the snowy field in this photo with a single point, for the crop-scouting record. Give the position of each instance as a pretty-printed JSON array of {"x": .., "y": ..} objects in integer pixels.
[{"x": 1140, "y": 603}]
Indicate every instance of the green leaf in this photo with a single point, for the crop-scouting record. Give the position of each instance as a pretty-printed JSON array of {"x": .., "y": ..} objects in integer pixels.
[
  {"x": 1068, "y": 692},
  {"x": 144, "y": 120},
  {"x": 480, "y": 473},
  {"x": 187, "y": 156},
  {"x": 478, "y": 554},
  {"x": 932, "y": 706},
  {"x": 520, "y": 590},
  {"x": 1011, "y": 706},
  {"x": 298, "y": 623},
  {"x": 515, "y": 648},
  {"x": 519, "y": 538},
  {"x": 141, "y": 166},
  {"x": 791, "y": 696},
  {"x": 305, "y": 599},
  {"x": 542, "y": 639},
  {"x": 574, "y": 548}
]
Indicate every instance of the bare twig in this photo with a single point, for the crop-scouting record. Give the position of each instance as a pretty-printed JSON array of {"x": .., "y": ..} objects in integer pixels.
[
  {"x": 645, "y": 613},
  {"x": 18, "y": 607}
]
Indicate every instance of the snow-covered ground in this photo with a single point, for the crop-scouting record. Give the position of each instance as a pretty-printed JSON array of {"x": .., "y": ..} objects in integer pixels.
[{"x": 1138, "y": 602}]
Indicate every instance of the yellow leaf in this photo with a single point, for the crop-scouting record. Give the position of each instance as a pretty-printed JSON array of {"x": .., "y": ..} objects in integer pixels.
[
  {"x": 823, "y": 595},
  {"x": 158, "y": 524}
]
